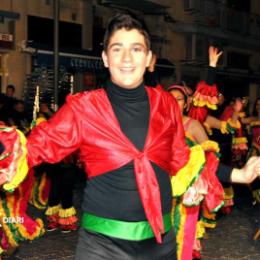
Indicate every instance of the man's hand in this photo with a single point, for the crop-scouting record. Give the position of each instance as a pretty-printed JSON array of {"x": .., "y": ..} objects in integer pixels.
[
  {"x": 214, "y": 55},
  {"x": 248, "y": 173}
]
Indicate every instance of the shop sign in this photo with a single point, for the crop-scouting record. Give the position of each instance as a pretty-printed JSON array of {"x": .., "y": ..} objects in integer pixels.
[{"x": 6, "y": 40}]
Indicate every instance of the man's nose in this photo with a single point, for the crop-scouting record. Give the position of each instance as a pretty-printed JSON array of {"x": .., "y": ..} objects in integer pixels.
[{"x": 127, "y": 55}]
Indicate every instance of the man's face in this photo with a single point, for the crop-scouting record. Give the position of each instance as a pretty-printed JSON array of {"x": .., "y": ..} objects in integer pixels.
[
  {"x": 127, "y": 58},
  {"x": 9, "y": 92},
  {"x": 19, "y": 107}
]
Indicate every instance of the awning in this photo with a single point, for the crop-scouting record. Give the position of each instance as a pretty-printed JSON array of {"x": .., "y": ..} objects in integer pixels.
[
  {"x": 9, "y": 15},
  {"x": 144, "y": 6},
  {"x": 71, "y": 61},
  {"x": 82, "y": 62}
]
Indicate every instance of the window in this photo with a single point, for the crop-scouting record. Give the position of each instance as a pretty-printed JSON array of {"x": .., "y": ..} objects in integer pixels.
[
  {"x": 48, "y": 2},
  {"x": 40, "y": 32}
]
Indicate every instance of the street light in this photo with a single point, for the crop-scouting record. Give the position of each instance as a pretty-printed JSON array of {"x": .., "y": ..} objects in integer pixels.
[{"x": 56, "y": 11}]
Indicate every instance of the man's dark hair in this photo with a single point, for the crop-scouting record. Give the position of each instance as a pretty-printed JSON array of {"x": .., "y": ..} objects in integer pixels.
[
  {"x": 128, "y": 22},
  {"x": 11, "y": 87}
]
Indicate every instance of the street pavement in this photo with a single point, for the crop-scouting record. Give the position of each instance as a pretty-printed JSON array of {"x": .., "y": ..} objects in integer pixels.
[{"x": 231, "y": 240}]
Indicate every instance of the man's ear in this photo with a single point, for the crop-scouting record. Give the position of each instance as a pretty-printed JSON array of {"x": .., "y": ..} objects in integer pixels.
[
  {"x": 104, "y": 58},
  {"x": 149, "y": 58}
]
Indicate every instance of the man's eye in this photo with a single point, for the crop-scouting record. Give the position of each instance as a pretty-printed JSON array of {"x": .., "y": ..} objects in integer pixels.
[
  {"x": 137, "y": 49},
  {"x": 116, "y": 49}
]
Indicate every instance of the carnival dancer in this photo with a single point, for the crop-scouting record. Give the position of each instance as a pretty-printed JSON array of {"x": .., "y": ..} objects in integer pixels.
[
  {"x": 205, "y": 108},
  {"x": 186, "y": 207},
  {"x": 56, "y": 187},
  {"x": 254, "y": 150},
  {"x": 60, "y": 212},
  {"x": 16, "y": 224},
  {"x": 255, "y": 147},
  {"x": 131, "y": 139}
]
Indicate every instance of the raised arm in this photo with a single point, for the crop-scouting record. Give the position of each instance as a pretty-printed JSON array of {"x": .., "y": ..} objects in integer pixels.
[
  {"x": 205, "y": 96},
  {"x": 214, "y": 55}
]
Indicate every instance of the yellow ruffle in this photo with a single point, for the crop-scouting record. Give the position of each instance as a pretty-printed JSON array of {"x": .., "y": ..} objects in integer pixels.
[
  {"x": 39, "y": 230},
  {"x": 6, "y": 229},
  {"x": 203, "y": 103},
  {"x": 223, "y": 127},
  {"x": 68, "y": 220},
  {"x": 208, "y": 128},
  {"x": 200, "y": 230},
  {"x": 64, "y": 213},
  {"x": 52, "y": 210},
  {"x": 208, "y": 225},
  {"x": 255, "y": 123},
  {"x": 40, "y": 120},
  {"x": 189, "y": 136},
  {"x": 208, "y": 215},
  {"x": 242, "y": 114},
  {"x": 190, "y": 172},
  {"x": 182, "y": 214},
  {"x": 36, "y": 198},
  {"x": 233, "y": 124},
  {"x": 22, "y": 167},
  {"x": 239, "y": 140},
  {"x": 229, "y": 193},
  {"x": 208, "y": 219},
  {"x": 210, "y": 146}
]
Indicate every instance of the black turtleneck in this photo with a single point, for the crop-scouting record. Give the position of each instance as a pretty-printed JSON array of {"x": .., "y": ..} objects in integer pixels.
[
  {"x": 114, "y": 194},
  {"x": 131, "y": 107}
]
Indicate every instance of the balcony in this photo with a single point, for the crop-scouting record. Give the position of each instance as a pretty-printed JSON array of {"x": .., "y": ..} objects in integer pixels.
[
  {"x": 144, "y": 6},
  {"x": 7, "y": 30},
  {"x": 214, "y": 14}
]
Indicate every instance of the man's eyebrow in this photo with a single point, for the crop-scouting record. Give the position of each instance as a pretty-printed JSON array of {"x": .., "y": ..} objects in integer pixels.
[
  {"x": 139, "y": 44},
  {"x": 121, "y": 44},
  {"x": 117, "y": 44}
]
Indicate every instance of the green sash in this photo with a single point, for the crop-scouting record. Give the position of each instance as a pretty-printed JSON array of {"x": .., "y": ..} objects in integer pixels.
[{"x": 135, "y": 231}]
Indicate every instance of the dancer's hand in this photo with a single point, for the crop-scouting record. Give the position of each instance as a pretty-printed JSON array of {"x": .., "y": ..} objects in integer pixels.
[
  {"x": 248, "y": 173},
  {"x": 214, "y": 55}
]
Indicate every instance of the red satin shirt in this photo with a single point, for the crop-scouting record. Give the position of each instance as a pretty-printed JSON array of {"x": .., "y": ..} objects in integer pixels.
[{"x": 87, "y": 122}]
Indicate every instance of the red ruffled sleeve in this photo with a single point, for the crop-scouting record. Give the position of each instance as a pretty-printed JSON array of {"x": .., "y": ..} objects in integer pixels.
[{"x": 204, "y": 98}]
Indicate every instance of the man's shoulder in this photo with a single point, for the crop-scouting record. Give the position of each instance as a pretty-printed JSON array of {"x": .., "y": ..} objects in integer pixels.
[
  {"x": 160, "y": 92},
  {"x": 157, "y": 89},
  {"x": 85, "y": 95}
]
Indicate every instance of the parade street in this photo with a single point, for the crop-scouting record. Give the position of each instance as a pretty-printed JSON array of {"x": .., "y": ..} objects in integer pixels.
[{"x": 231, "y": 240}]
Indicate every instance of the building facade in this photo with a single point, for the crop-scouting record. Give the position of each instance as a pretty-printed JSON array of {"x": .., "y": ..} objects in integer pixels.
[{"x": 181, "y": 33}]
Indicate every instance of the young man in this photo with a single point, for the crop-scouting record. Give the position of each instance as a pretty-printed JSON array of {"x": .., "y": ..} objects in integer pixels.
[
  {"x": 130, "y": 139},
  {"x": 10, "y": 90},
  {"x": 125, "y": 135}
]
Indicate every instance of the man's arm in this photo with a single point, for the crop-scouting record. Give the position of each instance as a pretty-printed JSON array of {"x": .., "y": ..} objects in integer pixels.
[{"x": 54, "y": 139}]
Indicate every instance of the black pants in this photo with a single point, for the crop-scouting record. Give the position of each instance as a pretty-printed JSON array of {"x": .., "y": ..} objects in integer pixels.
[
  {"x": 62, "y": 183},
  {"x": 94, "y": 246}
]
